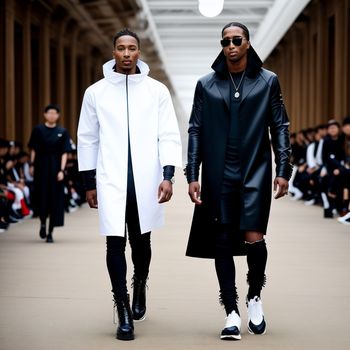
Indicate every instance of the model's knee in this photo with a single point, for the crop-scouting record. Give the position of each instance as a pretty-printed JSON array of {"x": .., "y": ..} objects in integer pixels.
[
  {"x": 252, "y": 237},
  {"x": 115, "y": 244}
]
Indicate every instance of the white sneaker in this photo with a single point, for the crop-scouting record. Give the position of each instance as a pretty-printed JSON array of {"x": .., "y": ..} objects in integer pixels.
[
  {"x": 72, "y": 209},
  {"x": 297, "y": 194},
  {"x": 256, "y": 321},
  {"x": 345, "y": 220},
  {"x": 310, "y": 202},
  {"x": 232, "y": 330}
]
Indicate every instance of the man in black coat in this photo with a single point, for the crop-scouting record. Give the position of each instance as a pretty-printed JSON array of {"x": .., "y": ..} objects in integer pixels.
[{"x": 235, "y": 110}]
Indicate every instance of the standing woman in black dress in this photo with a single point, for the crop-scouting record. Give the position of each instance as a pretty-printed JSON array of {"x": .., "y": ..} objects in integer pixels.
[{"x": 49, "y": 144}]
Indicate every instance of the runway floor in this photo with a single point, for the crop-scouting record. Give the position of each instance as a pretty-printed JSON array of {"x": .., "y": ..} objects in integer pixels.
[{"x": 57, "y": 296}]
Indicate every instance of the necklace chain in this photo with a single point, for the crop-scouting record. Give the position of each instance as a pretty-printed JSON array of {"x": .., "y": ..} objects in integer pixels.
[{"x": 239, "y": 84}]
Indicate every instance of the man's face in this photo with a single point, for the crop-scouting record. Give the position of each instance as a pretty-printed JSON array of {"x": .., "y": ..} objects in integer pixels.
[
  {"x": 310, "y": 136},
  {"x": 3, "y": 151},
  {"x": 318, "y": 135},
  {"x": 126, "y": 53},
  {"x": 333, "y": 130},
  {"x": 346, "y": 130},
  {"x": 323, "y": 131},
  {"x": 51, "y": 116},
  {"x": 235, "y": 53}
]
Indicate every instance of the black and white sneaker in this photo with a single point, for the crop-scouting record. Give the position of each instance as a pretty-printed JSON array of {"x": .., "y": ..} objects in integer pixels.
[
  {"x": 256, "y": 321},
  {"x": 232, "y": 330}
]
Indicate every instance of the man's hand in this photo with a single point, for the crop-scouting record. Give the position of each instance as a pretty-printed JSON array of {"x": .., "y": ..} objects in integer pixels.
[
  {"x": 60, "y": 176},
  {"x": 280, "y": 187},
  {"x": 91, "y": 197},
  {"x": 194, "y": 191},
  {"x": 165, "y": 191}
]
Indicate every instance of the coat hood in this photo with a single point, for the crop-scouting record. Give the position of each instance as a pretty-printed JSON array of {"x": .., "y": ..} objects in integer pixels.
[
  {"x": 253, "y": 67},
  {"x": 111, "y": 75}
]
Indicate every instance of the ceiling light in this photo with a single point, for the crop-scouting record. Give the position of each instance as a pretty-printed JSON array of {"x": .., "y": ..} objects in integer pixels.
[{"x": 210, "y": 8}]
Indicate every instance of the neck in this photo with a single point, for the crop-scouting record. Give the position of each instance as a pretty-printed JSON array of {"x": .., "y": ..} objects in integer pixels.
[
  {"x": 237, "y": 66},
  {"x": 50, "y": 125},
  {"x": 126, "y": 71}
]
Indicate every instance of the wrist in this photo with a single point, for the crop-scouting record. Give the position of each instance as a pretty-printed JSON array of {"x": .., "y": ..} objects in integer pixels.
[{"x": 171, "y": 179}]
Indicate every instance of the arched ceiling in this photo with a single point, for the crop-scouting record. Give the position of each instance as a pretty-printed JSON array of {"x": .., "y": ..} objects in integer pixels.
[
  {"x": 178, "y": 43},
  {"x": 188, "y": 43}
]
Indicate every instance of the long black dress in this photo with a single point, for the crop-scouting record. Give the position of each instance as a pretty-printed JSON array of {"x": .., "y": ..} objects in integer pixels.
[{"x": 49, "y": 144}]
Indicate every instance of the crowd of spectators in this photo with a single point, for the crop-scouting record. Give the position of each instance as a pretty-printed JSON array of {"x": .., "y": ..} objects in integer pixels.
[
  {"x": 17, "y": 190},
  {"x": 321, "y": 174}
]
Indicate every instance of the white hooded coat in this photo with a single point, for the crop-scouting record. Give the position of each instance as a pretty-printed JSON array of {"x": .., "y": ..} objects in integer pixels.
[{"x": 108, "y": 107}]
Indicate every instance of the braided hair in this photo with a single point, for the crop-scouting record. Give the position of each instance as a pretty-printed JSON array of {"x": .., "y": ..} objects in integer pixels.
[{"x": 236, "y": 24}]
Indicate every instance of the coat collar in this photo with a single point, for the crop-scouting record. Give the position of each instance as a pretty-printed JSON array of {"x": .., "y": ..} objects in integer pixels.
[
  {"x": 115, "y": 78},
  {"x": 254, "y": 64},
  {"x": 250, "y": 80}
]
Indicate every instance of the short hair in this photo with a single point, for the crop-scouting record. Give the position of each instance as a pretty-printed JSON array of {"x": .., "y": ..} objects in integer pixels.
[
  {"x": 346, "y": 120},
  {"x": 333, "y": 122},
  {"x": 236, "y": 24},
  {"x": 123, "y": 32},
  {"x": 52, "y": 106}
]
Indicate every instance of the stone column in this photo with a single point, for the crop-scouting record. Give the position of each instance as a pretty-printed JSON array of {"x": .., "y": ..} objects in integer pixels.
[
  {"x": 321, "y": 62},
  {"x": 304, "y": 81},
  {"x": 311, "y": 76},
  {"x": 60, "y": 78},
  {"x": 9, "y": 70},
  {"x": 295, "y": 88},
  {"x": 44, "y": 85},
  {"x": 27, "y": 75},
  {"x": 72, "y": 111},
  {"x": 340, "y": 63}
]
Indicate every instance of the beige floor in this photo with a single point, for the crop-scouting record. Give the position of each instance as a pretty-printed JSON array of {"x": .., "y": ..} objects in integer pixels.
[{"x": 57, "y": 296}]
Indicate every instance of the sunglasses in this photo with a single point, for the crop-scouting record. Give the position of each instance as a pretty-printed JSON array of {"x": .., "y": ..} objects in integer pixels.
[{"x": 235, "y": 41}]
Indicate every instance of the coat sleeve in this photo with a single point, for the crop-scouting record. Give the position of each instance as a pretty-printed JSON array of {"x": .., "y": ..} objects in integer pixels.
[
  {"x": 194, "y": 133},
  {"x": 169, "y": 141},
  {"x": 279, "y": 125},
  {"x": 88, "y": 134}
]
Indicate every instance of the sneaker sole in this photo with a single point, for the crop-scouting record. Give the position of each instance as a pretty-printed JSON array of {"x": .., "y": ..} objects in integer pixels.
[
  {"x": 125, "y": 337},
  {"x": 231, "y": 337},
  {"x": 140, "y": 319}
]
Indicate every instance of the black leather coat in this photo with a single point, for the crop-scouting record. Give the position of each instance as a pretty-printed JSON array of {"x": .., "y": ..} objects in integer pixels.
[{"x": 261, "y": 112}]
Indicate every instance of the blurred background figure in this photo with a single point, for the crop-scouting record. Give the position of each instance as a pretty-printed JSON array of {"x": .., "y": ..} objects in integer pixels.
[{"x": 49, "y": 144}]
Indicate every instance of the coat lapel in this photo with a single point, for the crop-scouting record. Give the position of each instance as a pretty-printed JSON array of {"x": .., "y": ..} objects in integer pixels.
[
  {"x": 248, "y": 86},
  {"x": 224, "y": 88}
]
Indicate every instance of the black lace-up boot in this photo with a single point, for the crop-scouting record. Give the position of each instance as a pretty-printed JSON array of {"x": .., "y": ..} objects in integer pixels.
[
  {"x": 139, "y": 299},
  {"x": 125, "y": 330}
]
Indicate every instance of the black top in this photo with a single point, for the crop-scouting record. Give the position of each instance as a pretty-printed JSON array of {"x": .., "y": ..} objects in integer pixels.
[
  {"x": 49, "y": 144},
  {"x": 232, "y": 162},
  {"x": 49, "y": 141}
]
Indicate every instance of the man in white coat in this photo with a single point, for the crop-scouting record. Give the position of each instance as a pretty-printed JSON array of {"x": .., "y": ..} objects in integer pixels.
[{"x": 128, "y": 146}]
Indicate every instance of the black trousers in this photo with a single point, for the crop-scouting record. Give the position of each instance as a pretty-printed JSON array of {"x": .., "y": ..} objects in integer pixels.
[{"x": 140, "y": 247}]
